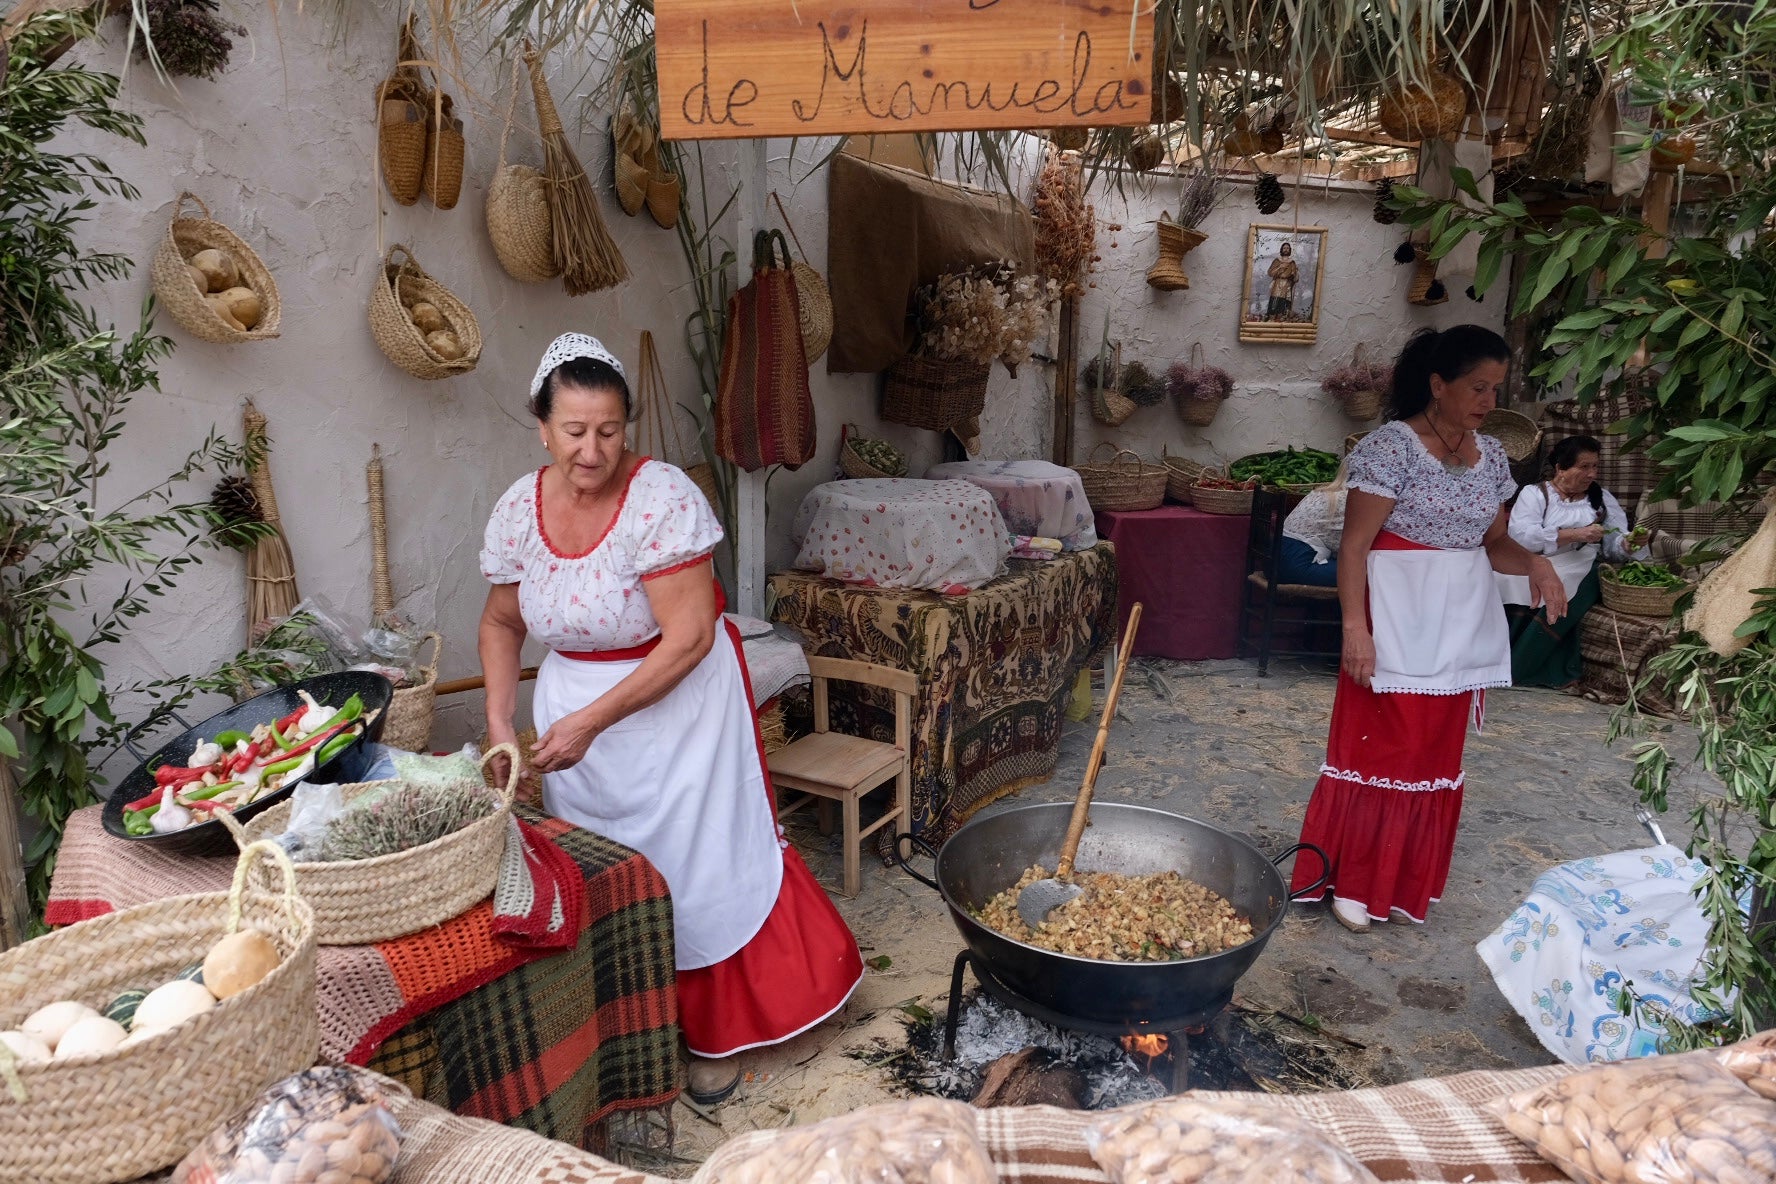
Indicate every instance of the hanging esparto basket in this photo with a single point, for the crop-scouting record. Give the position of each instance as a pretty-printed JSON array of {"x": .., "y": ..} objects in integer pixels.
[
  {"x": 1515, "y": 430},
  {"x": 934, "y": 393},
  {"x": 1635, "y": 600},
  {"x": 138, "y": 1108},
  {"x": 1119, "y": 483},
  {"x": 814, "y": 308},
  {"x": 852, "y": 462},
  {"x": 359, "y": 901},
  {"x": 1433, "y": 112},
  {"x": 400, "y": 284},
  {"x": 518, "y": 213},
  {"x": 173, "y": 286},
  {"x": 1363, "y": 406},
  {"x": 409, "y": 722}
]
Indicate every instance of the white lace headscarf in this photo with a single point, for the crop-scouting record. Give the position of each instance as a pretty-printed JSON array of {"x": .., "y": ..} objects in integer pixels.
[{"x": 566, "y": 348}]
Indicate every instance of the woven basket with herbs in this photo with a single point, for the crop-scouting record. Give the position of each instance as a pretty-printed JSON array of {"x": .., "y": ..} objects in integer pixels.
[
  {"x": 1198, "y": 389},
  {"x": 409, "y": 722},
  {"x": 357, "y": 901},
  {"x": 1124, "y": 482},
  {"x": 1359, "y": 386},
  {"x": 138, "y": 1108}
]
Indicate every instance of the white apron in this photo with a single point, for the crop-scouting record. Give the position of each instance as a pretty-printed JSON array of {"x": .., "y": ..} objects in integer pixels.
[
  {"x": 1438, "y": 625},
  {"x": 1571, "y": 566},
  {"x": 681, "y": 782}
]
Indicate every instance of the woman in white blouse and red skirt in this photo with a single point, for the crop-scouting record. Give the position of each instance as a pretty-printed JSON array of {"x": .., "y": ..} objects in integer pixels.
[
  {"x": 1424, "y": 631},
  {"x": 644, "y": 715}
]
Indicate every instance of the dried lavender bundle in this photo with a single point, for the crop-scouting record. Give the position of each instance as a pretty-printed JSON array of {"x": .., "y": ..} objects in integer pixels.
[{"x": 404, "y": 817}]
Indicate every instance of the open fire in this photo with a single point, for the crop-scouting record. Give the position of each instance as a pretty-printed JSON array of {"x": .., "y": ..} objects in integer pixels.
[{"x": 1152, "y": 1045}]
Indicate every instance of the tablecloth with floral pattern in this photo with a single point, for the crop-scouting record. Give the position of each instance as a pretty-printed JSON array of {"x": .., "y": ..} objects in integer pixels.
[{"x": 896, "y": 532}]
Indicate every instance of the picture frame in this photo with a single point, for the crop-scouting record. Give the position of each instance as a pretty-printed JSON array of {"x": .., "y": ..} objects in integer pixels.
[{"x": 1282, "y": 308}]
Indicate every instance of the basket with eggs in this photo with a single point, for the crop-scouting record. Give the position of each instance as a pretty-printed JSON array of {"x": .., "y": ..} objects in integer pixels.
[
  {"x": 419, "y": 323},
  {"x": 211, "y": 282}
]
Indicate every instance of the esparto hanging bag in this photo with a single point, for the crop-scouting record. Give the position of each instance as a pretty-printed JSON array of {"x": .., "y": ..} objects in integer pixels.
[{"x": 764, "y": 412}]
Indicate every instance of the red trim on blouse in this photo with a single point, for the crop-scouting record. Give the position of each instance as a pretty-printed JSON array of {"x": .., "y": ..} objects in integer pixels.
[
  {"x": 622, "y": 498},
  {"x": 678, "y": 567}
]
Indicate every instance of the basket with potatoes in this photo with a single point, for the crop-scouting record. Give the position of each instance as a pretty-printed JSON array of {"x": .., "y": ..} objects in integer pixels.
[
  {"x": 422, "y": 327},
  {"x": 124, "y": 1040},
  {"x": 211, "y": 282},
  {"x": 1663, "y": 1120}
]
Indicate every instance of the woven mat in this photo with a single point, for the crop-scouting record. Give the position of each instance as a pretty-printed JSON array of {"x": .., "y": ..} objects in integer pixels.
[{"x": 549, "y": 1043}]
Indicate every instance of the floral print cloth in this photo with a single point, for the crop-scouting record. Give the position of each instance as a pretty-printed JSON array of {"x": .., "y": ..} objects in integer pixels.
[
  {"x": 1432, "y": 505},
  {"x": 595, "y": 600},
  {"x": 1587, "y": 929},
  {"x": 1034, "y": 497},
  {"x": 895, "y": 532}
]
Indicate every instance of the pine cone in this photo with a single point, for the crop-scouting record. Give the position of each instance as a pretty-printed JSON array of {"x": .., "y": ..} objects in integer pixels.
[
  {"x": 1384, "y": 192},
  {"x": 1269, "y": 193},
  {"x": 235, "y": 506}
]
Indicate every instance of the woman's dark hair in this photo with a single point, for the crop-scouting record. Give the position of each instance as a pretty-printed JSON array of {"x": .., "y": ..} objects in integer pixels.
[
  {"x": 1448, "y": 354},
  {"x": 588, "y": 374},
  {"x": 1566, "y": 454}
]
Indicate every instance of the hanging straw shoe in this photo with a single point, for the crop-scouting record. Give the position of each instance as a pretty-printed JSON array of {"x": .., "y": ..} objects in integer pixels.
[
  {"x": 663, "y": 189},
  {"x": 629, "y": 176},
  {"x": 445, "y": 152}
]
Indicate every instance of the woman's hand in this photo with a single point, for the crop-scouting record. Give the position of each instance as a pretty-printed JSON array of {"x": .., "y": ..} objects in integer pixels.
[
  {"x": 564, "y": 745},
  {"x": 498, "y": 733},
  {"x": 1545, "y": 588},
  {"x": 1582, "y": 535},
  {"x": 1359, "y": 656}
]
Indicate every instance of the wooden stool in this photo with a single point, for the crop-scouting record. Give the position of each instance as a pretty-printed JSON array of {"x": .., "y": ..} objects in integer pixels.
[{"x": 830, "y": 766}]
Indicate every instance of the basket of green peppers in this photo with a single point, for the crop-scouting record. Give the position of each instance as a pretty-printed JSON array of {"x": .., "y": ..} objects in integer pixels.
[
  {"x": 1295, "y": 470},
  {"x": 861, "y": 457},
  {"x": 1641, "y": 589}
]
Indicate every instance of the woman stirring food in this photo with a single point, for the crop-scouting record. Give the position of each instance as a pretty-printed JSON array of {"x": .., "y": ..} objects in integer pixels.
[
  {"x": 1424, "y": 632},
  {"x": 645, "y": 716}
]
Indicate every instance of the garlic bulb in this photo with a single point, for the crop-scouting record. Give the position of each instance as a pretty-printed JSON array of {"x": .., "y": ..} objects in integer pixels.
[
  {"x": 171, "y": 816},
  {"x": 207, "y": 753},
  {"x": 315, "y": 716}
]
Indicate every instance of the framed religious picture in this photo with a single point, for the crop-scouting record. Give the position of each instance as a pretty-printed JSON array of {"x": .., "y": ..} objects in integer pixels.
[{"x": 1284, "y": 267}]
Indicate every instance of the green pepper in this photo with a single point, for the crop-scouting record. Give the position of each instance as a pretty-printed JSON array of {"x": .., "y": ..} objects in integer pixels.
[
  {"x": 334, "y": 747},
  {"x": 229, "y": 739},
  {"x": 135, "y": 822},
  {"x": 211, "y": 791},
  {"x": 284, "y": 766},
  {"x": 279, "y": 739},
  {"x": 354, "y": 707}
]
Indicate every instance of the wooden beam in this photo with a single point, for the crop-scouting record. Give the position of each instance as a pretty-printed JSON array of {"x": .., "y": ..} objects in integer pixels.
[
  {"x": 15, "y": 901},
  {"x": 1066, "y": 397},
  {"x": 1352, "y": 135}
]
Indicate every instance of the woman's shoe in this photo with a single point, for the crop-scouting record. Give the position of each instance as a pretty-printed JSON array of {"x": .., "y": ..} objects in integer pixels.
[
  {"x": 710, "y": 1081},
  {"x": 1400, "y": 916},
  {"x": 1351, "y": 914}
]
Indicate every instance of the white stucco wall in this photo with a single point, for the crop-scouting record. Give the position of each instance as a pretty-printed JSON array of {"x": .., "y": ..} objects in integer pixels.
[{"x": 281, "y": 146}]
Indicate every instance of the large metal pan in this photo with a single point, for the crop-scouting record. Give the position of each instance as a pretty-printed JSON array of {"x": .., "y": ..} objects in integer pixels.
[
  {"x": 212, "y": 837},
  {"x": 990, "y": 853}
]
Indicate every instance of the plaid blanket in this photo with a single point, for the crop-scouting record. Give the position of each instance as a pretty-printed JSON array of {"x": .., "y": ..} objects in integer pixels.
[
  {"x": 995, "y": 668},
  {"x": 550, "y": 1043}
]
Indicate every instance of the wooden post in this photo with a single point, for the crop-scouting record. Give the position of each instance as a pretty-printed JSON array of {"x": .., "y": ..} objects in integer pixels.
[
  {"x": 1655, "y": 211},
  {"x": 15, "y": 901},
  {"x": 1066, "y": 377}
]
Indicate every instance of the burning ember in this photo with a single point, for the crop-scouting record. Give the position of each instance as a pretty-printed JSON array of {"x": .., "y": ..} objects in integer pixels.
[{"x": 1152, "y": 1046}]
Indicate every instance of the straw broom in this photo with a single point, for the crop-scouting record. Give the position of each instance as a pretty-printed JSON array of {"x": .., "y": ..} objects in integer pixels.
[
  {"x": 271, "y": 573},
  {"x": 587, "y": 257}
]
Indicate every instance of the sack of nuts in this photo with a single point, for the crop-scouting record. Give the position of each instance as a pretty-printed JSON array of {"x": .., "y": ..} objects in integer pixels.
[
  {"x": 328, "y": 1124},
  {"x": 924, "y": 1141},
  {"x": 1753, "y": 1061},
  {"x": 1187, "y": 1141},
  {"x": 1663, "y": 1120}
]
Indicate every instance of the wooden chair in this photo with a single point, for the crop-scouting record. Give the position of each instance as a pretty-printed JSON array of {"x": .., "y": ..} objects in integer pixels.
[
  {"x": 829, "y": 766},
  {"x": 1312, "y": 610}
]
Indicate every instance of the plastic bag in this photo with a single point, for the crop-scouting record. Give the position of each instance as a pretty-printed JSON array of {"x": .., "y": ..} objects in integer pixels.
[
  {"x": 418, "y": 768},
  {"x": 1752, "y": 1061},
  {"x": 1187, "y": 1141},
  {"x": 312, "y": 809},
  {"x": 1661, "y": 1120},
  {"x": 924, "y": 1141},
  {"x": 338, "y": 631},
  {"x": 328, "y": 1123}
]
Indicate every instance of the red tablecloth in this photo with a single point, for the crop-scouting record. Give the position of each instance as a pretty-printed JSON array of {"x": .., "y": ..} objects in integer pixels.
[{"x": 1185, "y": 567}]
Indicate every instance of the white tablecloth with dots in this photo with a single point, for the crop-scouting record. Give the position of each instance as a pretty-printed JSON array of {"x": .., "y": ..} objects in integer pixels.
[
  {"x": 1034, "y": 497},
  {"x": 895, "y": 532}
]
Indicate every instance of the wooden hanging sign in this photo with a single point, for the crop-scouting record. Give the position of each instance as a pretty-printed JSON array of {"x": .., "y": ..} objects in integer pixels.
[{"x": 732, "y": 69}]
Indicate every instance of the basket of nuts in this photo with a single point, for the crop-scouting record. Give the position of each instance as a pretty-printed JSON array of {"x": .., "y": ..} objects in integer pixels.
[
  {"x": 861, "y": 457},
  {"x": 422, "y": 327},
  {"x": 211, "y": 282}
]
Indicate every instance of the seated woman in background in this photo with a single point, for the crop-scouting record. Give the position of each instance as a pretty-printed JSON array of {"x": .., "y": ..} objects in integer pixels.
[
  {"x": 1310, "y": 537},
  {"x": 1571, "y": 519}
]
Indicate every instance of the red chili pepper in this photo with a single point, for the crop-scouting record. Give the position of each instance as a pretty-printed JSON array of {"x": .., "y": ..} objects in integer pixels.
[
  {"x": 243, "y": 761},
  {"x": 290, "y": 721},
  {"x": 144, "y": 803},
  {"x": 174, "y": 775},
  {"x": 314, "y": 741}
]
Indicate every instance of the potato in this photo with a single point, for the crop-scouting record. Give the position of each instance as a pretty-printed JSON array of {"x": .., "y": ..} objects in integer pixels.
[
  {"x": 426, "y": 317},
  {"x": 444, "y": 343},
  {"x": 218, "y": 267}
]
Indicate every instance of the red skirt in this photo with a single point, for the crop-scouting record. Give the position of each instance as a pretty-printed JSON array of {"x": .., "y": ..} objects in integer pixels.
[
  {"x": 1389, "y": 798},
  {"x": 798, "y": 969}
]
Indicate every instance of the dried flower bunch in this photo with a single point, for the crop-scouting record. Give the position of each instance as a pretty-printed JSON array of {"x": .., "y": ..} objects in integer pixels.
[
  {"x": 983, "y": 315},
  {"x": 1357, "y": 378},
  {"x": 1066, "y": 224},
  {"x": 1142, "y": 386},
  {"x": 1185, "y": 381},
  {"x": 189, "y": 37}
]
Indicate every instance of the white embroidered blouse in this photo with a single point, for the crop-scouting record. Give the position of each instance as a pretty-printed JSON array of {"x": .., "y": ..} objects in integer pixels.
[
  {"x": 595, "y": 600},
  {"x": 1432, "y": 505},
  {"x": 1537, "y": 520},
  {"x": 1318, "y": 521}
]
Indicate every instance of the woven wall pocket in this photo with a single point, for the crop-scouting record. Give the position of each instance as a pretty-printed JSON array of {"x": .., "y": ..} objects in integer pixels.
[
  {"x": 360, "y": 901},
  {"x": 935, "y": 393},
  {"x": 176, "y": 288},
  {"x": 139, "y": 1108},
  {"x": 401, "y": 283},
  {"x": 446, "y": 152},
  {"x": 518, "y": 211},
  {"x": 764, "y": 412}
]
